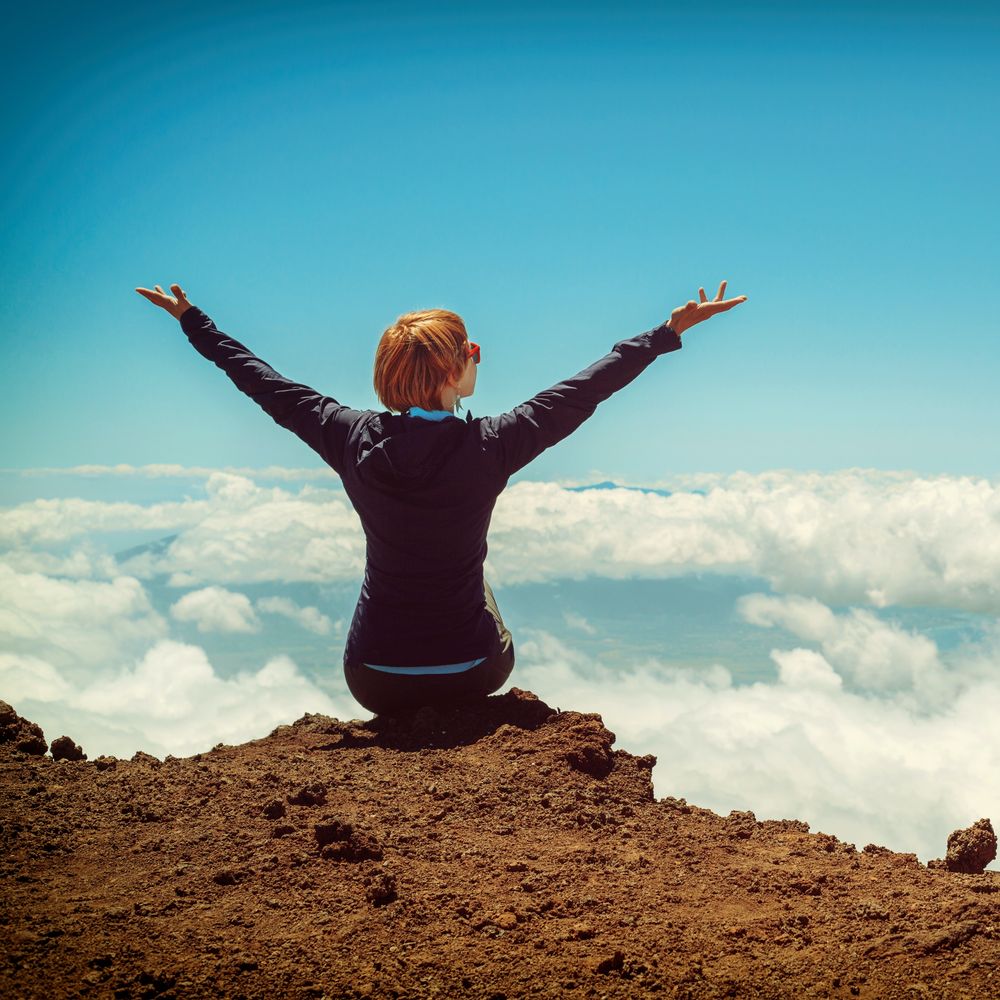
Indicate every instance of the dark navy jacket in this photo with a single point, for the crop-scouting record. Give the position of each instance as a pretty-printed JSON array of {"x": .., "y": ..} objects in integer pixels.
[{"x": 425, "y": 489}]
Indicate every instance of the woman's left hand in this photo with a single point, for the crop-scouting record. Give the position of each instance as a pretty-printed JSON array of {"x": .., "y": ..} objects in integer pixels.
[
  {"x": 174, "y": 306},
  {"x": 684, "y": 317}
]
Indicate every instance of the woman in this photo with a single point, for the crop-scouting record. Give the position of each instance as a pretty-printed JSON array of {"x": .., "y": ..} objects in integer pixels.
[{"x": 426, "y": 629}]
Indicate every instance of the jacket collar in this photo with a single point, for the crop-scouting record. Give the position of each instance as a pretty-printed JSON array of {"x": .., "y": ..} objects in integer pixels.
[{"x": 419, "y": 411}]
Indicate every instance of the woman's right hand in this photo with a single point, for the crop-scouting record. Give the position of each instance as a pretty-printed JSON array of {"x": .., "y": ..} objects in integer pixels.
[
  {"x": 684, "y": 317},
  {"x": 176, "y": 304}
]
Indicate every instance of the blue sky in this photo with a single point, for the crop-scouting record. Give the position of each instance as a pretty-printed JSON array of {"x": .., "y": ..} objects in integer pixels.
[{"x": 561, "y": 178}]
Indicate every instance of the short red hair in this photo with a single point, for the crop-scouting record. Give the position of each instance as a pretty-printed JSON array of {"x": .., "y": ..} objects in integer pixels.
[{"x": 416, "y": 356}]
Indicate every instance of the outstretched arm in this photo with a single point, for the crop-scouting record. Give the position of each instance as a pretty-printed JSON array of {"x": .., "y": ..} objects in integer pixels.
[
  {"x": 320, "y": 421},
  {"x": 523, "y": 433}
]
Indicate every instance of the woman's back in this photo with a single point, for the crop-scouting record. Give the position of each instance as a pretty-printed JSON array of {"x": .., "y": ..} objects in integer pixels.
[{"x": 424, "y": 491}]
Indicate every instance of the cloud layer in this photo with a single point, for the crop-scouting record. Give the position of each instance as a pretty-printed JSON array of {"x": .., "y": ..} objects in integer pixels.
[
  {"x": 853, "y": 537},
  {"x": 848, "y": 537}
]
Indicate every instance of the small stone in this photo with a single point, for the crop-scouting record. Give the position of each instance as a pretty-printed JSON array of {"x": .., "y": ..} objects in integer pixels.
[
  {"x": 274, "y": 809},
  {"x": 331, "y": 831},
  {"x": 313, "y": 794},
  {"x": 612, "y": 964},
  {"x": 381, "y": 889}
]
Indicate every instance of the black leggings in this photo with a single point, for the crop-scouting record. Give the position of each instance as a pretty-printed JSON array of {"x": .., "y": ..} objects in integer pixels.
[{"x": 393, "y": 694}]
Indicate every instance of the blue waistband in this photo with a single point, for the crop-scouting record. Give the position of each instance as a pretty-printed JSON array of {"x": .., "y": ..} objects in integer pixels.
[{"x": 444, "y": 668}]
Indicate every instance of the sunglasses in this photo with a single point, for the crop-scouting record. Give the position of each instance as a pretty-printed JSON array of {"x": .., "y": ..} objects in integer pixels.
[{"x": 473, "y": 350}]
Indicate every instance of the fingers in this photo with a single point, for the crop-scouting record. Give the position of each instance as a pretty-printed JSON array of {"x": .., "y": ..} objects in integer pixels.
[
  {"x": 729, "y": 303},
  {"x": 702, "y": 295},
  {"x": 722, "y": 288},
  {"x": 179, "y": 292}
]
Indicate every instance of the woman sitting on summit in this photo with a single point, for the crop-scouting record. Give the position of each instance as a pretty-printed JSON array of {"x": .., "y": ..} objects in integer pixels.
[{"x": 426, "y": 629}]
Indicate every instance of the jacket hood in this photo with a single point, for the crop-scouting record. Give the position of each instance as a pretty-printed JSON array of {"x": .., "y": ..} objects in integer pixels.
[{"x": 404, "y": 450}]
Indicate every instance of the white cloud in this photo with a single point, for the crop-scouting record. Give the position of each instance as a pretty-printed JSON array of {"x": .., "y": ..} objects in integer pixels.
[
  {"x": 848, "y": 537},
  {"x": 252, "y": 534},
  {"x": 805, "y": 668},
  {"x": 215, "y": 609},
  {"x": 309, "y": 617},
  {"x": 170, "y": 701},
  {"x": 75, "y": 623},
  {"x": 576, "y": 621},
  {"x": 84, "y": 561},
  {"x": 30, "y": 677},
  {"x": 48, "y": 521},
  {"x": 867, "y": 768},
  {"x": 874, "y": 654}
]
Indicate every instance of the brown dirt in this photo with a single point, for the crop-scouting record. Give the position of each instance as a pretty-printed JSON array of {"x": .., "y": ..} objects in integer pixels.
[{"x": 505, "y": 850}]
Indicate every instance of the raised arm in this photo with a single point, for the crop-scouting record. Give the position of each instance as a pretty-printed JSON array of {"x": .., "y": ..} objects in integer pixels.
[
  {"x": 320, "y": 421},
  {"x": 523, "y": 433}
]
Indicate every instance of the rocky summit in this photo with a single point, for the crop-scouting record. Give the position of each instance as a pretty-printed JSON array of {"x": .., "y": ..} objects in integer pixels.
[{"x": 500, "y": 850}]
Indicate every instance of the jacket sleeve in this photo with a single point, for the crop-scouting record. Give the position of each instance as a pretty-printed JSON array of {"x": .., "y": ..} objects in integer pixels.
[
  {"x": 523, "y": 433},
  {"x": 320, "y": 421}
]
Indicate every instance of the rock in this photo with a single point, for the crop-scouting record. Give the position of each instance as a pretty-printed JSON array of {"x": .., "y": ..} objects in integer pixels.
[
  {"x": 141, "y": 757},
  {"x": 331, "y": 831},
  {"x": 381, "y": 889},
  {"x": 972, "y": 849},
  {"x": 24, "y": 735},
  {"x": 274, "y": 809},
  {"x": 313, "y": 794},
  {"x": 741, "y": 824},
  {"x": 875, "y": 849},
  {"x": 64, "y": 748},
  {"x": 104, "y": 763},
  {"x": 590, "y": 750},
  {"x": 612, "y": 964},
  {"x": 341, "y": 842}
]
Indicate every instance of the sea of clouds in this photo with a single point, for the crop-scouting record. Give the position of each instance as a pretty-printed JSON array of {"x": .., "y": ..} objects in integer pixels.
[{"x": 867, "y": 729}]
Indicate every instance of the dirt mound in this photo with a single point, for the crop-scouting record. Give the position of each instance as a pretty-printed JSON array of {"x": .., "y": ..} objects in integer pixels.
[{"x": 500, "y": 850}]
